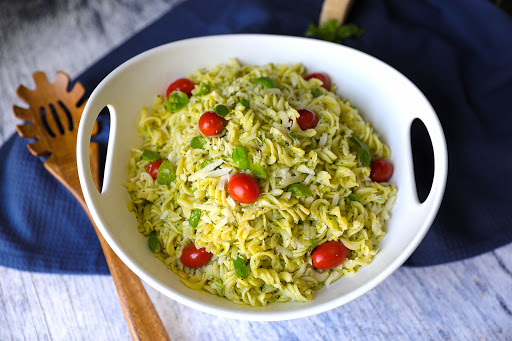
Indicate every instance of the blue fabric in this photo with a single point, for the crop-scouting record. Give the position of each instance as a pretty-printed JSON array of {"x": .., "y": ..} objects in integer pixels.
[{"x": 457, "y": 52}]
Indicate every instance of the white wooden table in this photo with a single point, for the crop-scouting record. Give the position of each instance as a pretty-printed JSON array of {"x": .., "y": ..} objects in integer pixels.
[{"x": 466, "y": 300}]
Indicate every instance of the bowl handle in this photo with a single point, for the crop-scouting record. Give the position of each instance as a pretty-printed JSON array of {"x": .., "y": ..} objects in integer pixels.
[{"x": 435, "y": 131}]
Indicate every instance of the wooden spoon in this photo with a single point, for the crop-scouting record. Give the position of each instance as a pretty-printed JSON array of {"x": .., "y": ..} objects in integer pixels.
[
  {"x": 335, "y": 9},
  {"x": 55, "y": 114}
]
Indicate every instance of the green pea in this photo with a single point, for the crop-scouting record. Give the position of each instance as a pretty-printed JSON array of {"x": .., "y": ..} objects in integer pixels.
[
  {"x": 354, "y": 197},
  {"x": 150, "y": 155},
  {"x": 205, "y": 163},
  {"x": 299, "y": 190},
  {"x": 197, "y": 142},
  {"x": 240, "y": 157},
  {"x": 194, "y": 217},
  {"x": 221, "y": 110},
  {"x": 317, "y": 92},
  {"x": 267, "y": 82},
  {"x": 245, "y": 103},
  {"x": 165, "y": 175},
  {"x": 204, "y": 88},
  {"x": 240, "y": 268},
  {"x": 366, "y": 158},
  {"x": 177, "y": 101},
  {"x": 154, "y": 243},
  {"x": 259, "y": 171}
]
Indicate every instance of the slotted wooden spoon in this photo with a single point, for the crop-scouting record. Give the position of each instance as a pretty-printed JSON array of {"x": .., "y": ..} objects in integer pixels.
[{"x": 55, "y": 114}]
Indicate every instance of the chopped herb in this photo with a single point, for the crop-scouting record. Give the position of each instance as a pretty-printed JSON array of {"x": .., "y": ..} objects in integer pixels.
[
  {"x": 245, "y": 103},
  {"x": 366, "y": 158},
  {"x": 194, "y": 217},
  {"x": 154, "y": 243},
  {"x": 299, "y": 190},
  {"x": 197, "y": 142},
  {"x": 267, "y": 82},
  {"x": 165, "y": 173},
  {"x": 317, "y": 92},
  {"x": 205, "y": 163},
  {"x": 177, "y": 101},
  {"x": 220, "y": 286},
  {"x": 293, "y": 136},
  {"x": 330, "y": 31},
  {"x": 150, "y": 155},
  {"x": 221, "y": 110},
  {"x": 313, "y": 241},
  {"x": 259, "y": 171},
  {"x": 240, "y": 157},
  {"x": 240, "y": 268},
  {"x": 354, "y": 197},
  {"x": 204, "y": 88}
]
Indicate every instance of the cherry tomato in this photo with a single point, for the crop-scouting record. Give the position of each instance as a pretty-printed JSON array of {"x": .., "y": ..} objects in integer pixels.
[
  {"x": 243, "y": 188},
  {"x": 210, "y": 123},
  {"x": 326, "y": 82},
  {"x": 194, "y": 257},
  {"x": 153, "y": 168},
  {"x": 183, "y": 84},
  {"x": 329, "y": 255},
  {"x": 381, "y": 171},
  {"x": 307, "y": 119}
]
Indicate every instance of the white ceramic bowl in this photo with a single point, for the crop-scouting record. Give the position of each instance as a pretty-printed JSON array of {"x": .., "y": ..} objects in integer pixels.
[{"x": 385, "y": 97}]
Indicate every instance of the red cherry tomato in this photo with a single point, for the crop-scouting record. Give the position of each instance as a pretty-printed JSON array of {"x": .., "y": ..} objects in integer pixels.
[
  {"x": 153, "y": 168},
  {"x": 243, "y": 188},
  {"x": 329, "y": 255},
  {"x": 307, "y": 119},
  {"x": 381, "y": 171},
  {"x": 322, "y": 76},
  {"x": 194, "y": 257},
  {"x": 210, "y": 123},
  {"x": 183, "y": 84}
]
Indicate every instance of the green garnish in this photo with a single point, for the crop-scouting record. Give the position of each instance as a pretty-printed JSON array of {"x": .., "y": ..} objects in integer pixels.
[
  {"x": 205, "y": 163},
  {"x": 165, "y": 173},
  {"x": 154, "y": 244},
  {"x": 313, "y": 241},
  {"x": 259, "y": 171},
  {"x": 331, "y": 32},
  {"x": 204, "y": 88},
  {"x": 267, "y": 82},
  {"x": 221, "y": 110},
  {"x": 293, "y": 136},
  {"x": 244, "y": 102},
  {"x": 354, "y": 197},
  {"x": 194, "y": 217},
  {"x": 240, "y": 268},
  {"x": 299, "y": 190},
  {"x": 366, "y": 158},
  {"x": 240, "y": 157},
  {"x": 150, "y": 155},
  {"x": 197, "y": 142},
  {"x": 317, "y": 92},
  {"x": 177, "y": 101},
  {"x": 220, "y": 286}
]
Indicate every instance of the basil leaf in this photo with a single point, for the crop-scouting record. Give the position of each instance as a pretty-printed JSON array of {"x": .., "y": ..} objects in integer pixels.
[
  {"x": 154, "y": 243},
  {"x": 245, "y": 103},
  {"x": 299, "y": 190},
  {"x": 197, "y": 142},
  {"x": 150, "y": 155},
  {"x": 205, "y": 163},
  {"x": 240, "y": 268},
  {"x": 204, "y": 88},
  {"x": 177, "y": 101},
  {"x": 267, "y": 82},
  {"x": 194, "y": 217},
  {"x": 220, "y": 286},
  {"x": 221, "y": 110},
  {"x": 293, "y": 136},
  {"x": 165, "y": 173},
  {"x": 349, "y": 30},
  {"x": 366, "y": 158},
  {"x": 259, "y": 171},
  {"x": 313, "y": 241},
  {"x": 354, "y": 197},
  {"x": 240, "y": 157},
  {"x": 317, "y": 92}
]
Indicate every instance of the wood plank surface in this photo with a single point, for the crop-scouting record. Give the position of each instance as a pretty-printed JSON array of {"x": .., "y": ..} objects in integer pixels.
[{"x": 466, "y": 300}]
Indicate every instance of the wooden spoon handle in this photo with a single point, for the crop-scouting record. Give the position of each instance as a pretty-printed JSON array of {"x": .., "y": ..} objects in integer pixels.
[{"x": 335, "y": 9}]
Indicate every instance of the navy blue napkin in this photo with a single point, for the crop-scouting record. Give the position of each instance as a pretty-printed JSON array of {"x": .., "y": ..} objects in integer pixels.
[{"x": 459, "y": 53}]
